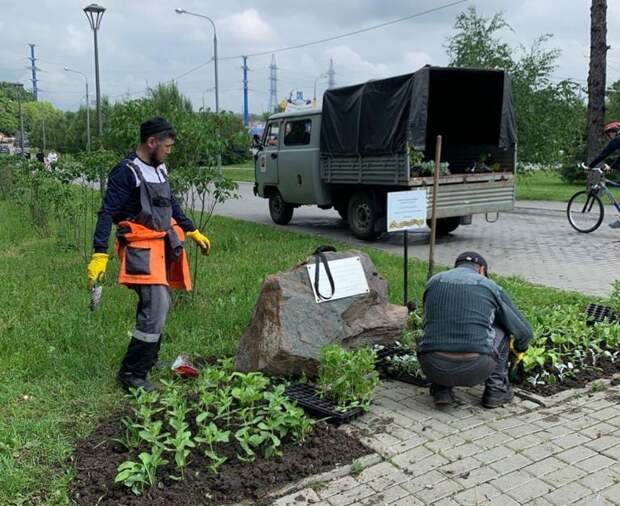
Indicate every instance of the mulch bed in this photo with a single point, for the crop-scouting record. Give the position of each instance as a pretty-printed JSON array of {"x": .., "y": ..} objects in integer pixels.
[
  {"x": 604, "y": 368},
  {"x": 97, "y": 457}
]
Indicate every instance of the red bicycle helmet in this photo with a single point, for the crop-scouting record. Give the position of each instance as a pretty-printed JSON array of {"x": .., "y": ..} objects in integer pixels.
[{"x": 612, "y": 126}]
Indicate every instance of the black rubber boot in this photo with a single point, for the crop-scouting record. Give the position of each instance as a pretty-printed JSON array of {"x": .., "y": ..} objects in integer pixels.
[
  {"x": 443, "y": 396},
  {"x": 129, "y": 381},
  {"x": 496, "y": 398},
  {"x": 137, "y": 363}
]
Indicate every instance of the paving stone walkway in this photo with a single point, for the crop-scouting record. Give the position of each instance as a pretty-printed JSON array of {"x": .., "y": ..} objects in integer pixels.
[{"x": 567, "y": 452}]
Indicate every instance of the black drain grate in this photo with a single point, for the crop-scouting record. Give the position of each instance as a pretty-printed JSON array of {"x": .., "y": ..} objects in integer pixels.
[{"x": 600, "y": 313}]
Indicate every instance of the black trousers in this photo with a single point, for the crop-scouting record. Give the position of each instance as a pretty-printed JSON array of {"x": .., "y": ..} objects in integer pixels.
[{"x": 492, "y": 370}]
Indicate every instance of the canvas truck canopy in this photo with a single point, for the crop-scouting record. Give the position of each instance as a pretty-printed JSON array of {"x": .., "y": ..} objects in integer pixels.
[{"x": 466, "y": 106}]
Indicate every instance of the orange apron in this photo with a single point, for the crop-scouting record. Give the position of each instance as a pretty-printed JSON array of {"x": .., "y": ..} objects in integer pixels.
[{"x": 142, "y": 255}]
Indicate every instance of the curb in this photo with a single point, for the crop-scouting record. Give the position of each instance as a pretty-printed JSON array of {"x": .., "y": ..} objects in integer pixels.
[{"x": 538, "y": 211}]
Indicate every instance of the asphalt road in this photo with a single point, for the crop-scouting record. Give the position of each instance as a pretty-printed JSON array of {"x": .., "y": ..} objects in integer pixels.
[{"x": 534, "y": 242}]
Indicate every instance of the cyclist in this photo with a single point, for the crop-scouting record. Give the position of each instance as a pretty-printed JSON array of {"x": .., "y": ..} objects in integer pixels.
[{"x": 612, "y": 131}]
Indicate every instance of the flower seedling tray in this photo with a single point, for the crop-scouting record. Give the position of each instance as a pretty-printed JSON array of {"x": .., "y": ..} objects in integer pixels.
[
  {"x": 598, "y": 313},
  {"x": 382, "y": 366},
  {"x": 386, "y": 352},
  {"x": 307, "y": 396},
  {"x": 407, "y": 378}
]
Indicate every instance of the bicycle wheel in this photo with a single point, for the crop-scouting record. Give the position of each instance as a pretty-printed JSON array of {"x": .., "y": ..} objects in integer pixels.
[{"x": 585, "y": 212}]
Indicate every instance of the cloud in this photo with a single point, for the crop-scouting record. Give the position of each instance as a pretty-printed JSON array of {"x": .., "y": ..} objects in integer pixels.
[
  {"x": 142, "y": 41},
  {"x": 349, "y": 61},
  {"x": 74, "y": 41},
  {"x": 248, "y": 27},
  {"x": 416, "y": 59}
]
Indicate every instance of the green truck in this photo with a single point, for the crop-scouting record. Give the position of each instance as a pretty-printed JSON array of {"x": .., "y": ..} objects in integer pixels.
[{"x": 379, "y": 137}]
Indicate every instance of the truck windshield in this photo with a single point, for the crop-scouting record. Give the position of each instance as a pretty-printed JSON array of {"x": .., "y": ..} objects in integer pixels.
[{"x": 272, "y": 134}]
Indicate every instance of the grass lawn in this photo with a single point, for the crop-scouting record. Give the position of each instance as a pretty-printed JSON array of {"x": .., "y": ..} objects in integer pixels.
[
  {"x": 547, "y": 185},
  {"x": 241, "y": 172},
  {"x": 58, "y": 361}
]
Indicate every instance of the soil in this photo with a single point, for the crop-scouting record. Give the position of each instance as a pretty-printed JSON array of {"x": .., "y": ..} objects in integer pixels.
[
  {"x": 97, "y": 457},
  {"x": 604, "y": 368}
]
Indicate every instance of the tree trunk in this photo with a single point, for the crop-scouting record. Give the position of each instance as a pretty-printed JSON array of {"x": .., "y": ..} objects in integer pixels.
[{"x": 597, "y": 76}]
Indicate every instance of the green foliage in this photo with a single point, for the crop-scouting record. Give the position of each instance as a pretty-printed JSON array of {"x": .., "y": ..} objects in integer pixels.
[
  {"x": 356, "y": 468},
  {"x": 9, "y": 121},
  {"x": 347, "y": 377},
  {"x": 614, "y": 296},
  {"x": 564, "y": 343},
  {"x": 136, "y": 475},
  {"x": 550, "y": 116},
  {"x": 612, "y": 106},
  {"x": 220, "y": 400}
]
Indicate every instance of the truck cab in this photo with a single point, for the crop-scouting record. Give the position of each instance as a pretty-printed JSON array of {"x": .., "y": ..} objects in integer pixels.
[{"x": 287, "y": 165}]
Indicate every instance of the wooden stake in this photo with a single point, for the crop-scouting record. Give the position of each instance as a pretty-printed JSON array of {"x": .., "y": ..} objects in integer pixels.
[{"x": 431, "y": 251}]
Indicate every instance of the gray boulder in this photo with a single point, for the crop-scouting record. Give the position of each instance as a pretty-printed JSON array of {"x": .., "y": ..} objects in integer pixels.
[{"x": 288, "y": 327}]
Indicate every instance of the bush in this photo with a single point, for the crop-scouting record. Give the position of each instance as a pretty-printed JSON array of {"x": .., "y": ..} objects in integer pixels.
[{"x": 570, "y": 169}]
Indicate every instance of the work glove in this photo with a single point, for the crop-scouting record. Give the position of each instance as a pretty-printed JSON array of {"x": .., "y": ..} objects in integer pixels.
[
  {"x": 96, "y": 267},
  {"x": 201, "y": 240},
  {"x": 517, "y": 355}
]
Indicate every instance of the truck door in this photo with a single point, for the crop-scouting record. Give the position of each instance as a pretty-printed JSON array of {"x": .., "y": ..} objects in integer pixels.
[
  {"x": 298, "y": 161},
  {"x": 267, "y": 161}
]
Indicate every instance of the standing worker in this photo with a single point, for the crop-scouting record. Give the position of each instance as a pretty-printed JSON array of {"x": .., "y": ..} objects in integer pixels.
[
  {"x": 468, "y": 321},
  {"x": 150, "y": 234}
]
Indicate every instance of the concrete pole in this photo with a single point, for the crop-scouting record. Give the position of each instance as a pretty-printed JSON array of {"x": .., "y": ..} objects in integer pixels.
[{"x": 87, "y": 118}]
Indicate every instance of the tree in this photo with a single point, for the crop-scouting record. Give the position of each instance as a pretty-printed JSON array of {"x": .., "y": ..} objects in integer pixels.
[
  {"x": 9, "y": 94},
  {"x": 474, "y": 44},
  {"x": 613, "y": 102},
  {"x": 597, "y": 76}
]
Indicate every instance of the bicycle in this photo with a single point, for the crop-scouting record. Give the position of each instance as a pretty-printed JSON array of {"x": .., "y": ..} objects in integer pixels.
[{"x": 585, "y": 210}]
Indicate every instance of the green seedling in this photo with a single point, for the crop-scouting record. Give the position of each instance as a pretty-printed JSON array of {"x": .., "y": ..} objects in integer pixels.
[
  {"x": 136, "y": 475},
  {"x": 348, "y": 377},
  {"x": 181, "y": 443},
  {"x": 210, "y": 435}
]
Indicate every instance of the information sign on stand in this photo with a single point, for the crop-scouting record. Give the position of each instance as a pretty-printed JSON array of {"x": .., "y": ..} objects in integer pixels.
[{"x": 406, "y": 210}]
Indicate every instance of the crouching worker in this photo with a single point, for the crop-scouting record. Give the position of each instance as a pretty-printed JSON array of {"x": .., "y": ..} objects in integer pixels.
[
  {"x": 468, "y": 322},
  {"x": 151, "y": 229}
]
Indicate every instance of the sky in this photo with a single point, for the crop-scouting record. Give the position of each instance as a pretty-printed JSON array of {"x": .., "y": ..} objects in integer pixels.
[{"x": 142, "y": 43}]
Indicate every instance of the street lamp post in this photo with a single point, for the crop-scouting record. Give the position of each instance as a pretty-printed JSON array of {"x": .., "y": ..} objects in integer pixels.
[
  {"x": 217, "y": 88},
  {"x": 217, "y": 94},
  {"x": 67, "y": 69},
  {"x": 94, "y": 13},
  {"x": 315, "y": 81}
]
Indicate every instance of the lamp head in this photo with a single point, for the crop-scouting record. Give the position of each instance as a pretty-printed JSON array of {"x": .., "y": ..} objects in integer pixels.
[{"x": 94, "y": 13}]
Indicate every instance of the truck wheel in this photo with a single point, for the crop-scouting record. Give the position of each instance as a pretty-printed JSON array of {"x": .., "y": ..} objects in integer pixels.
[
  {"x": 362, "y": 214},
  {"x": 446, "y": 225},
  {"x": 281, "y": 212}
]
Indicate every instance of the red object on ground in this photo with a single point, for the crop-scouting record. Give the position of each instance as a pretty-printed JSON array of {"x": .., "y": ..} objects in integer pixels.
[{"x": 184, "y": 367}]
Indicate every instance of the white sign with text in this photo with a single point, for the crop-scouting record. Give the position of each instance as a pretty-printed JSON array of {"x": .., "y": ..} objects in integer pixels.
[
  {"x": 406, "y": 210},
  {"x": 348, "y": 275}
]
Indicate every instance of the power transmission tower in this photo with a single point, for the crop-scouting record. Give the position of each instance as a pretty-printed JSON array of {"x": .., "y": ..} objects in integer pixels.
[
  {"x": 331, "y": 75},
  {"x": 273, "y": 85},
  {"x": 33, "y": 67},
  {"x": 246, "y": 114}
]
